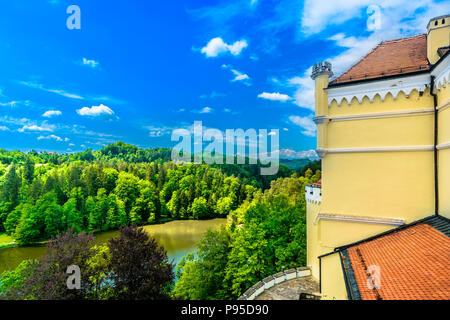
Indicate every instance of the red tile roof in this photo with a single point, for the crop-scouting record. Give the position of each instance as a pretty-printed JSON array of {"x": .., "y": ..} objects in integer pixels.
[
  {"x": 414, "y": 264},
  {"x": 394, "y": 57},
  {"x": 442, "y": 51},
  {"x": 318, "y": 183}
]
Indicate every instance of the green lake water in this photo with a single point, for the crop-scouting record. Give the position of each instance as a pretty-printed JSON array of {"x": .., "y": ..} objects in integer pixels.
[{"x": 177, "y": 237}]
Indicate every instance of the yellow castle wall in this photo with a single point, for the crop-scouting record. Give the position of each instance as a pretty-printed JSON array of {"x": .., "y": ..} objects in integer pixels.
[
  {"x": 383, "y": 132},
  {"x": 333, "y": 283},
  {"x": 443, "y": 96},
  {"x": 382, "y": 184},
  {"x": 312, "y": 238}
]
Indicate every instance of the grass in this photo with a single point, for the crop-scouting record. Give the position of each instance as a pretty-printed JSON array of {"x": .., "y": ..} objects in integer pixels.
[{"x": 5, "y": 240}]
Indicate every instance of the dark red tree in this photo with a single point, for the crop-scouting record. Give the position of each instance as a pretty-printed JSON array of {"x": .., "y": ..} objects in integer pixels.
[{"x": 139, "y": 267}]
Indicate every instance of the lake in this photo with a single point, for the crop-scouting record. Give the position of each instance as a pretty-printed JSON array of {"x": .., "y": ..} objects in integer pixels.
[{"x": 177, "y": 237}]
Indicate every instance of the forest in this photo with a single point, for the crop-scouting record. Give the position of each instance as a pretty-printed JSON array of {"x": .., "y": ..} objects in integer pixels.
[{"x": 43, "y": 195}]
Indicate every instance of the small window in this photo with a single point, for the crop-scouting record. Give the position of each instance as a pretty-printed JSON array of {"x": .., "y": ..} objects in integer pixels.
[
  {"x": 436, "y": 23},
  {"x": 443, "y": 21}
]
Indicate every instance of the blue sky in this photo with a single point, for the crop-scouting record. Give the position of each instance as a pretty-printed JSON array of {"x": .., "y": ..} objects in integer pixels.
[{"x": 136, "y": 69}]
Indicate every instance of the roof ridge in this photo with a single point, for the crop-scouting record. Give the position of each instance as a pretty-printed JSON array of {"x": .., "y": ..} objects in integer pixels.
[{"x": 404, "y": 39}]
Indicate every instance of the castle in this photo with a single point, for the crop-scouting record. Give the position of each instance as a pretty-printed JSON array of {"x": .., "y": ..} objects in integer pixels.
[{"x": 378, "y": 222}]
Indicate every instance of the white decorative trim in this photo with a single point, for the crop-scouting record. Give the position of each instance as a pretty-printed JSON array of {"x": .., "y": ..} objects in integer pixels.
[
  {"x": 442, "y": 146},
  {"x": 380, "y": 115},
  {"x": 382, "y": 87},
  {"x": 381, "y": 149},
  {"x": 442, "y": 73},
  {"x": 443, "y": 106},
  {"x": 359, "y": 219}
]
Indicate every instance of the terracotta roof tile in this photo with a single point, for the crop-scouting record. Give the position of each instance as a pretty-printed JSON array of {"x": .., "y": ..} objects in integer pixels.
[
  {"x": 394, "y": 57},
  {"x": 413, "y": 264}
]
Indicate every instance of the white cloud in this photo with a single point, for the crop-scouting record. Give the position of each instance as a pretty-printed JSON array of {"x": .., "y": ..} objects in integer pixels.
[
  {"x": 4, "y": 128},
  {"x": 217, "y": 46},
  {"x": 51, "y": 113},
  {"x": 306, "y": 123},
  {"x": 212, "y": 95},
  {"x": 8, "y": 104},
  {"x": 276, "y": 96},
  {"x": 56, "y": 91},
  {"x": 204, "y": 110},
  {"x": 50, "y": 137},
  {"x": 97, "y": 111},
  {"x": 90, "y": 63},
  {"x": 158, "y": 131},
  {"x": 401, "y": 17},
  {"x": 42, "y": 128},
  {"x": 304, "y": 94},
  {"x": 292, "y": 154},
  {"x": 238, "y": 75}
]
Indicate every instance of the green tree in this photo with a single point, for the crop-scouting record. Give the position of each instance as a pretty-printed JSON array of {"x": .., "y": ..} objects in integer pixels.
[
  {"x": 200, "y": 208},
  {"x": 117, "y": 215},
  {"x": 11, "y": 185},
  {"x": 127, "y": 189},
  {"x": 28, "y": 170},
  {"x": 12, "y": 282},
  {"x": 72, "y": 217},
  {"x": 201, "y": 277}
]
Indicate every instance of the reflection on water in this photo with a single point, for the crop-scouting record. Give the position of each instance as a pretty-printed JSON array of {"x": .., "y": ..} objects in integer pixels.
[{"x": 177, "y": 237}]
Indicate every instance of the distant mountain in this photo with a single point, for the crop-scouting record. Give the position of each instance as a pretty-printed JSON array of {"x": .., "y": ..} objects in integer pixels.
[{"x": 295, "y": 164}]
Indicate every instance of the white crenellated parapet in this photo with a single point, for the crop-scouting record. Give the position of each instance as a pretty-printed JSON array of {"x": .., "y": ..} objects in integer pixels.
[
  {"x": 313, "y": 193},
  {"x": 378, "y": 87}
]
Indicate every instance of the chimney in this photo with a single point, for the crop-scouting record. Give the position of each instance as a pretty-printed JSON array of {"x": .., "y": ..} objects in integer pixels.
[{"x": 438, "y": 37}]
